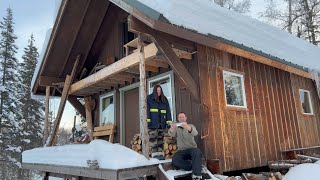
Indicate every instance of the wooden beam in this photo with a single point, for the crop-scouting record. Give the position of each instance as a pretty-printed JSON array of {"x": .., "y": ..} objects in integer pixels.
[
  {"x": 46, "y": 118},
  {"x": 148, "y": 68},
  {"x": 114, "y": 68},
  {"x": 143, "y": 100},
  {"x": 64, "y": 97},
  {"x": 178, "y": 67},
  {"x": 49, "y": 81},
  {"x": 77, "y": 105},
  {"x": 158, "y": 61}
]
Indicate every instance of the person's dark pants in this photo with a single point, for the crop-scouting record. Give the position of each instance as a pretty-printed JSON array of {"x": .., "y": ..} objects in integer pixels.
[{"x": 181, "y": 159}]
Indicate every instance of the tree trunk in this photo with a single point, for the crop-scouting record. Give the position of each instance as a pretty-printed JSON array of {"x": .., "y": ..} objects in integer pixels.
[{"x": 290, "y": 16}]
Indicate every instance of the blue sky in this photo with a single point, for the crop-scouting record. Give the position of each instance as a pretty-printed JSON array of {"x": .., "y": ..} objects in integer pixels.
[{"x": 37, "y": 16}]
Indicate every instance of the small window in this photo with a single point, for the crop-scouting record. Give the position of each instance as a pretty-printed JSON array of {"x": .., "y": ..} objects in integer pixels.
[
  {"x": 166, "y": 82},
  {"x": 107, "y": 109},
  {"x": 306, "y": 103},
  {"x": 234, "y": 89}
]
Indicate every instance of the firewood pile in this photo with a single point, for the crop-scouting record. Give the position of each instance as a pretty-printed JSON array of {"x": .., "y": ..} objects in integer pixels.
[
  {"x": 263, "y": 176},
  {"x": 169, "y": 147},
  {"x": 136, "y": 143}
]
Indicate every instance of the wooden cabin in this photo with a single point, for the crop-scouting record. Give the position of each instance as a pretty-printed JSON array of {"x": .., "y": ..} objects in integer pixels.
[{"x": 245, "y": 85}]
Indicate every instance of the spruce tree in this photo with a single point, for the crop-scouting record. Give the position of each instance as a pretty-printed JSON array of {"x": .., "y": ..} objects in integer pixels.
[
  {"x": 32, "y": 109},
  {"x": 10, "y": 126}
]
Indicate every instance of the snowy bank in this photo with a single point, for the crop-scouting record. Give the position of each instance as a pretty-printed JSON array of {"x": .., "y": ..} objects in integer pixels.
[
  {"x": 304, "y": 171},
  {"x": 109, "y": 156}
]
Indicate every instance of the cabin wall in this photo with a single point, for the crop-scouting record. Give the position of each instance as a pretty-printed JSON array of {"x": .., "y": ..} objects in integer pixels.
[
  {"x": 244, "y": 138},
  {"x": 309, "y": 125}
]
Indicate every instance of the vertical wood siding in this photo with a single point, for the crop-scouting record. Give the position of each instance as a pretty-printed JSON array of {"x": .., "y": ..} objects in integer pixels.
[{"x": 272, "y": 121}]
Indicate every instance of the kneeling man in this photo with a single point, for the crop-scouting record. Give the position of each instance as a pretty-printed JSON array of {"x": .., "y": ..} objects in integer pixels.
[{"x": 187, "y": 147}]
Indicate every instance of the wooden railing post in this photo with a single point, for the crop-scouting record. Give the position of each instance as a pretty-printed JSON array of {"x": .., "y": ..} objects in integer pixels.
[{"x": 143, "y": 100}]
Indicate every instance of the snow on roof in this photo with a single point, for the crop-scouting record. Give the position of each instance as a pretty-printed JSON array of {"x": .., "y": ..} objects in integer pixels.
[
  {"x": 108, "y": 155},
  {"x": 303, "y": 171},
  {"x": 207, "y": 18}
]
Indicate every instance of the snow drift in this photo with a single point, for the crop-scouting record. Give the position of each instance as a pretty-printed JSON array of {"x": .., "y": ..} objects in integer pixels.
[{"x": 109, "y": 156}]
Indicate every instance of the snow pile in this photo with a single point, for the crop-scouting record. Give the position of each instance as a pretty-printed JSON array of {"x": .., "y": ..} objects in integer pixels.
[
  {"x": 207, "y": 18},
  {"x": 304, "y": 171},
  {"x": 109, "y": 156},
  {"x": 318, "y": 162}
]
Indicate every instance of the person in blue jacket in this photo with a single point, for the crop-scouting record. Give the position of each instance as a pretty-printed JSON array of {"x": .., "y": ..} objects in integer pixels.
[{"x": 158, "y": 118}]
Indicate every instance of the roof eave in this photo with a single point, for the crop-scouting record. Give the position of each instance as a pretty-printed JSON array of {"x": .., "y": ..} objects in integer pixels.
[{"x": 59, "y": 16}]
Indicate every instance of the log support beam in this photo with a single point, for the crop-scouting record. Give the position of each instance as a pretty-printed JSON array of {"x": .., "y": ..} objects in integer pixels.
[
  {"x": 46, "y": 117},
  {"x": 168, "y": 53},
  {"x": 89, "y": 105},
  {"x": 64, "y": 97},
  {"x": 77, "y": 105},
  {"x": 177, "y": 66},
  {"x": 143, "y": 100}
]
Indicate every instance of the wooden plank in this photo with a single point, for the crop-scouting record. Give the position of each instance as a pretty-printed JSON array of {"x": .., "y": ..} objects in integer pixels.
[
  {"x": 73, "y": 170},
  {"x": 135, "y": 173},
  {"x": 177, "y": 66},
  {"x": 103, "y": 133},
  {"x": 301, "y": 149},
  {"x": 49, "y": 81},
  {"x": 46, "y": 118},
  {"x": 64, "y": 96},
  {"x": 143, "y": 99},
  {"x": 114, "y": 68},
  {"x": 77, "y": 105},
  {"x": 103, "y": 128},
  {"x": 269, "y": 117}
]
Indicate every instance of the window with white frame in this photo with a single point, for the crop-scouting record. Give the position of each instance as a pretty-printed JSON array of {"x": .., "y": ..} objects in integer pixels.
[
  {"x": 166, "y": 82},
  {"x": 107, "y": 109},
  {"x": 305, "y": 100},
  {"x": 234, "y": 89}
]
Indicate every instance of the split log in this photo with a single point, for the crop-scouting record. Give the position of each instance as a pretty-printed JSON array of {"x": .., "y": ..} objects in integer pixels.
[
  {"x": 280, "y": 166},
  {"x": 314, "y": 159}
]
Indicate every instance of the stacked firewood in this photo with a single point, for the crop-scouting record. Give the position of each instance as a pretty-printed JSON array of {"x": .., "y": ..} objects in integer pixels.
[
  {"x": 263, "y": 176},
  {"x": 136, "y": 143},
  {"x": 169, "y": 147}
]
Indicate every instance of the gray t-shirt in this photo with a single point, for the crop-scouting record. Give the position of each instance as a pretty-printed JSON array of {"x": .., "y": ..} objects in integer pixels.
[{"x": 185, "y": 139}]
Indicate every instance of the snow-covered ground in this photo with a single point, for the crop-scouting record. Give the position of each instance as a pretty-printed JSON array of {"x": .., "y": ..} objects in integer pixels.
[
  {"x": 304, "y": 171},
  {"x": 108, "y": 155}
]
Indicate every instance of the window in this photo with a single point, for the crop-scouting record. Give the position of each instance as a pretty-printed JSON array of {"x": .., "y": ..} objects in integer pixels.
[
  {"x": 234, "y": 89},
  {"x": 305, "y": 102},
  {"x": 166, "y": 82},
  {"x": 107, "y": 109}
]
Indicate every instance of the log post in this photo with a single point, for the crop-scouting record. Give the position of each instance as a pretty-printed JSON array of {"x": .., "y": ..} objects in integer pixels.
[
  {"x": 46, "y": 118},
  {"x": 143, "y": 100},
  {"x": 64, "y": 96},
  {"x": 88, "y": 103}
]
